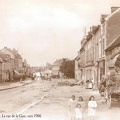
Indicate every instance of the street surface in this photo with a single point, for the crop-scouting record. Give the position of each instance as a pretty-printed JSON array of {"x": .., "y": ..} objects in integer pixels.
[{"x": 44, "y": 100}]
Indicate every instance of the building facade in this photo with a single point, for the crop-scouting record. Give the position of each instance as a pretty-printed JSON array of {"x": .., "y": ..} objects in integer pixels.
[
  {"x": 97, "y": 48},
  {"x": 11, "y": 64},
  {"x": 113, "y": 56},
  {"x": 82, "y": 60},
  {"x": 56, "y": 67},
  {"x": 112, "y": 34},
  {"x": 77, "y": 67}
]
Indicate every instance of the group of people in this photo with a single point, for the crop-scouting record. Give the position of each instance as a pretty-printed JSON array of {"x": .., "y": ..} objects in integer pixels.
[{"x": 76, "y": 108}]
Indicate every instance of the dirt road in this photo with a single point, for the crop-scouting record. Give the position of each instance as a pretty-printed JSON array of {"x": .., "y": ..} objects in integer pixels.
[{"x": 43, "y": 100}]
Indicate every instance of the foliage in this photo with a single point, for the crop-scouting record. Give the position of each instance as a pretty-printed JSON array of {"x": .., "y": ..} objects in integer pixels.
[{"x": 67, "y": 68}]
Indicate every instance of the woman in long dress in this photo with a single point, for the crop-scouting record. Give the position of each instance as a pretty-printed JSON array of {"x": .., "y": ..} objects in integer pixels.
[{"x": 92, "y": 105}]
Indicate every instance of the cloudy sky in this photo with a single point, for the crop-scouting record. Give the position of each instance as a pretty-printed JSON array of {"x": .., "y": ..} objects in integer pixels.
[{"x": 45, "y": 30}]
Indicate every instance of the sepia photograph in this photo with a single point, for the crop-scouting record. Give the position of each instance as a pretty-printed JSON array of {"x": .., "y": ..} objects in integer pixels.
[{"x": 59, "y": 60}]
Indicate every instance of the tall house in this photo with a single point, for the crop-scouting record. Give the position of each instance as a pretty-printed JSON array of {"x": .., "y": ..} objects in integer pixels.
[
  {"x": 5, "y": 67},
  {"x": 112, "y": 34},
  {"x": 112, "y": 25},
  {"x": 100, "y": 49},
  {"x": 56, "y": 67},
  {"x": 18, "y": 61},
  {"x": 97, "y": 48},
  {"x": 8, "y": 51},
  {"x": 89, "y": 56},
  {"x": 82, "y": 60}
]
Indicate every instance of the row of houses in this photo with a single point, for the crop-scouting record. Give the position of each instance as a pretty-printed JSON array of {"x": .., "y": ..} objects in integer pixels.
[
  {"x": 100, "y": 49},
  {"x": 50, "y": 69},
  {"x": 11, "y": 63},
  {"x": 56, "y": 67}
]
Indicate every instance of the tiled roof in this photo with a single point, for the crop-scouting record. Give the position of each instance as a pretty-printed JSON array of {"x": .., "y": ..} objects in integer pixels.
[{"x": 109, "y": 16}]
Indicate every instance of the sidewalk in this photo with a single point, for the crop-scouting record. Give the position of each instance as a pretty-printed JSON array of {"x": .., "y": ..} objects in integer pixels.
[{"x": 11, "y": 85}]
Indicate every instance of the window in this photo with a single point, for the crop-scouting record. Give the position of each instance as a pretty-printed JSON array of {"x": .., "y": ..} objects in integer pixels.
[
  {"x": 100, "y": 46},
  {"x": 103, "y": 46}
]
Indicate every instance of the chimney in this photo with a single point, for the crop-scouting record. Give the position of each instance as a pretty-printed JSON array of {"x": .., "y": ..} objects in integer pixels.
[
  {"x": 113, "y": 9},
  {"x": 94, "y": 27}
]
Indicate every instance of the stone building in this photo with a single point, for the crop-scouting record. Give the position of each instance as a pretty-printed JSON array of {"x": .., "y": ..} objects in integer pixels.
[{"x": 101, "y": 48}]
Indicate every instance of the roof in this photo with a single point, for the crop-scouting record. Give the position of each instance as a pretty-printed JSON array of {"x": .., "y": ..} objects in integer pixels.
[
  {"x": 103, "y": 16},
  {"x": 115, "y": 42},
  {"x": 109, "y": 16},
  {"x": 5, "y": 57},
  {"x": 58, "y": 62},
  {"x": 18, "y": 56},
  {"x": 89, "y": 36}
]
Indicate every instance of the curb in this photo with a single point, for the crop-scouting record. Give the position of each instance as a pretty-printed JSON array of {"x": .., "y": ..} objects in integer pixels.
[{"x": 16, "y": 86}]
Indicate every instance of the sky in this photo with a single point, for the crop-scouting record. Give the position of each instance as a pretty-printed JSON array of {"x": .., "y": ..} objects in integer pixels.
[{"x": 45, "y": 30}]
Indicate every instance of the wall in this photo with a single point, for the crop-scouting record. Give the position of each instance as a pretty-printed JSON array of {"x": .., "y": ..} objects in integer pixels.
[{"x": 112, "y": 27}]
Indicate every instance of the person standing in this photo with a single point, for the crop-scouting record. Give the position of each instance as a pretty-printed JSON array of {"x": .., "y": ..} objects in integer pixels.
[
  {"x": 72, "y": 105},
  {"x": 82, "y": 103},
  {"x": 78, "y": 111},
  {"x": 92, "y": 105}
]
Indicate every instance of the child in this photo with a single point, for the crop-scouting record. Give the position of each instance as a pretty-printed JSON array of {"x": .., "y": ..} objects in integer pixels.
[
  {"x": 72, "y": 104},
  {"x": 92, "y": 107},
  {"x": 81, "y": 102},
  {"x": 78, "y": 111}
]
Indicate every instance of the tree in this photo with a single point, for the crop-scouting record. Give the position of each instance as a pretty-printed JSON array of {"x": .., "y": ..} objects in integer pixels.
[{"x": 67, "y": 68}]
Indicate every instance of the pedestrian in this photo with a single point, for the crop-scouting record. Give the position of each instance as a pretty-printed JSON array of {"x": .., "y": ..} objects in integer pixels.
[
  {"x": 82, "y": 103},
  {"x": 78, "y": 111},
  {"x": 92, "y": 105},
  {"x": 72, "y": 105}
]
